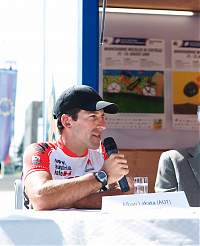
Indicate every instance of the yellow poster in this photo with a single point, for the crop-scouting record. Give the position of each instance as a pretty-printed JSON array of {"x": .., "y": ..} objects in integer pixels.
[{"x": 186, "y": 92}]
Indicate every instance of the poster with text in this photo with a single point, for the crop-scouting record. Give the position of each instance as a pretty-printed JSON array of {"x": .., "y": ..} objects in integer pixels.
[
  {"x": 133, "y": 78},
  {"x": 185, "y": 83}
]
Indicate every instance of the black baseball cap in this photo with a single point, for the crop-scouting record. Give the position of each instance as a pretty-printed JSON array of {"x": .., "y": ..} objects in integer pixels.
[{"x": 83, "y": 97}]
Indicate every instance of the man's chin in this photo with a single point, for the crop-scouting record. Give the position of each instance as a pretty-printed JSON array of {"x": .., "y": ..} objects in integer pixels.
[{"x": 94, "y": 146}]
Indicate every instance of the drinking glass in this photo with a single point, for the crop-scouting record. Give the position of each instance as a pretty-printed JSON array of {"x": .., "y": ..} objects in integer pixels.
[{"x": 140, "y": 185}]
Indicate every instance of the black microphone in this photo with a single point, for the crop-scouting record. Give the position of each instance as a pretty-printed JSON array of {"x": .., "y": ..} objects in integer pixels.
[{"x": 111, "y": 148}]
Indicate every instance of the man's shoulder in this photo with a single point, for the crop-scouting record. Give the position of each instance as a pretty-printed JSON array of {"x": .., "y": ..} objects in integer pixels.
[
  {"x": 178, "y": 154},
  {"x": 181, "y": 150},
  {"x": 171, "y": 153},
  {"x": 40, "y": 147}
]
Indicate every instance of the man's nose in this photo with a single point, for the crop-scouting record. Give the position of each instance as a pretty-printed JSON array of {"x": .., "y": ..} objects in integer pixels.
[{"x": 102, "y": 124}]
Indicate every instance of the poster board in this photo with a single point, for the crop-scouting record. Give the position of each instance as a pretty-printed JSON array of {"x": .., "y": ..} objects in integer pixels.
[
  {"x": 136, "y": 77},
  {"x": 133, "y": 77},
  {"x": 185, "y": 83},
  {"x": 153, "y": 27}
]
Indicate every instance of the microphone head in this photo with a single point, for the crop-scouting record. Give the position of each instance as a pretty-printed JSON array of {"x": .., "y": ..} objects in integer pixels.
[{"x": 110, "y": 145}]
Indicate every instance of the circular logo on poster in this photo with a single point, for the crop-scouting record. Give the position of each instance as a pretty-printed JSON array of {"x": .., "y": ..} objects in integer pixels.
[{"x": 6, "y": 106}]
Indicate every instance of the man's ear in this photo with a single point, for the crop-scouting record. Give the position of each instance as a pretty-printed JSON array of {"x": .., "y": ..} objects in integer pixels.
[{"x": 66, "y": 120}]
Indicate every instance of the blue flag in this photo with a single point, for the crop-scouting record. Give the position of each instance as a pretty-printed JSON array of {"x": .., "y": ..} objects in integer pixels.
[{"x": 8, "y": 80}]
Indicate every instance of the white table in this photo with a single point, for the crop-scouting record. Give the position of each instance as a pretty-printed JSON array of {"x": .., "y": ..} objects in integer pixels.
[{"x": 140, "y": 226}]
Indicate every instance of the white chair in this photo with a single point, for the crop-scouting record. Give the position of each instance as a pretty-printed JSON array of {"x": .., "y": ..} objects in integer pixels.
[{"x": 18, "y": 187}]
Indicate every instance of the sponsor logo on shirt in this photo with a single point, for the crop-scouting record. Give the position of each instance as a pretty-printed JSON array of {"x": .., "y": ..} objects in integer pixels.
[
  {"x": 35, "y": 160},
  {"x": 62, "y": 169},
  {"x": 89, "y": 166}
]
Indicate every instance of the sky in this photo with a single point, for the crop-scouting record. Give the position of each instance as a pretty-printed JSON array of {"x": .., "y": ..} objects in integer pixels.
[{"x": 23, "y": 43}]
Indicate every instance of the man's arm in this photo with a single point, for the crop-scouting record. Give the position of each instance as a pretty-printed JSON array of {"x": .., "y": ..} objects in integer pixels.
[
  {"x": 166, "y": 176},
  {"x": 94, "y": 201},
  {"x": 45, "y": 193}
]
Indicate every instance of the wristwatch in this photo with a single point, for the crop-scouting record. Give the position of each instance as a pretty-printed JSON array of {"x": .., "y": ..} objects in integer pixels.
[{"x": 102, "y": 177}]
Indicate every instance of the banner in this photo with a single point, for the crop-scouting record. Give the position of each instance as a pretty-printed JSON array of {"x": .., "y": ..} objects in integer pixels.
[{"x": 8, "y": 80}]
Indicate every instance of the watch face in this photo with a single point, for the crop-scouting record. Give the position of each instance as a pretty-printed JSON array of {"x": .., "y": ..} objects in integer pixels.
[{"x": 102, "y": 177}]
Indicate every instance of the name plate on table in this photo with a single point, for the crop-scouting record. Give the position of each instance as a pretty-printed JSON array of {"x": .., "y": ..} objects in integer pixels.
[{"x": 165, "y": 199}]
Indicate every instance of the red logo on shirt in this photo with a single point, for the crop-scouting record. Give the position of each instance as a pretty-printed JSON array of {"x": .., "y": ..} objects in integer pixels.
[
  {"x": 89, "y": 166},
  {"x": 35, "y": 160}
]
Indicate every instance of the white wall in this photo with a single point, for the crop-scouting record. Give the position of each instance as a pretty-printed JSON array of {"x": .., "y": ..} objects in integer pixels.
[{"x": 167, "y": 28}]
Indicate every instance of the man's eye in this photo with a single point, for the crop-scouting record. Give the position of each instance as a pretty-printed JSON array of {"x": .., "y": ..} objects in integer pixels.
[{"x": 95, "y": 117}]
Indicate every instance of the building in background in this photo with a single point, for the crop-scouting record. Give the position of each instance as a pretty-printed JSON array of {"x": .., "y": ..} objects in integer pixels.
[{"x": 33, "y": 123}]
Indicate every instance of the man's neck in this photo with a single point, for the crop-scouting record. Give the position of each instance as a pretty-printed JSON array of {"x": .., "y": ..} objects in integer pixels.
[{"x": 74, "y": 147}]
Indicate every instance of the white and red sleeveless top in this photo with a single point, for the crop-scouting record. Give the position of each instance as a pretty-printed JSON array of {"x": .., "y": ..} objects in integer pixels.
[{"x": 60, "y": 162}]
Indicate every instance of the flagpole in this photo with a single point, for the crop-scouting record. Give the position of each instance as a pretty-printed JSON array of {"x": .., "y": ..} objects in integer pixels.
[{"x": 44, "y": 111}]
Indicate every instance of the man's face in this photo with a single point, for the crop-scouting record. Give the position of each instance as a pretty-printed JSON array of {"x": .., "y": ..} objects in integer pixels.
[{"x": 88, "y": 128}]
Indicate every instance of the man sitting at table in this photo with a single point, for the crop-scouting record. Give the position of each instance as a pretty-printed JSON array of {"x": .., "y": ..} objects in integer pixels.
[
  {"x": 179, "y": 170},
  {"x": 71, "y": 172}
]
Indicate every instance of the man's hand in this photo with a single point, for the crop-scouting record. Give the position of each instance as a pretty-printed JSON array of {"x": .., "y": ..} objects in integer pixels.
[{"x": 116, "y": 167}]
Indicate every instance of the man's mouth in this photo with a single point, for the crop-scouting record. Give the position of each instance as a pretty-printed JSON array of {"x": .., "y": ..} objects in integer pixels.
[{"x": 98, "y": 136}]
